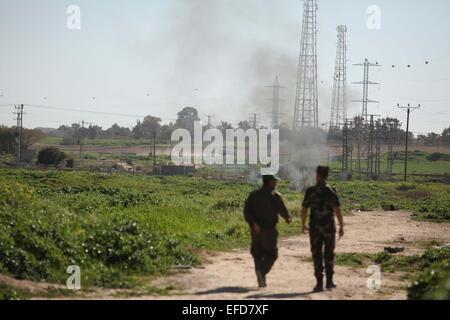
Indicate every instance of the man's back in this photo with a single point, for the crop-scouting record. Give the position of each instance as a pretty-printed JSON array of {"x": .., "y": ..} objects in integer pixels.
[
  {"x": 321, "y": 199},
  {"x": 263, "y": 207}
]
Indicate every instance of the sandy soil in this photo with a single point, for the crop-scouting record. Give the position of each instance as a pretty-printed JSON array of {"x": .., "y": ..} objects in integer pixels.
[{"x": 230, "y": 275}]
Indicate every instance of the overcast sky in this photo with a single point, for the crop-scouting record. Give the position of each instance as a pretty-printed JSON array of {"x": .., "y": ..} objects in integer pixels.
[{"x": 154, "y": 57}]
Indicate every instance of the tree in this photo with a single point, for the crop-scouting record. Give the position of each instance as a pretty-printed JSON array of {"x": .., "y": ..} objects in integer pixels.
[
  {"x": 186, "y": 118},
  {"x": 166, "y": 132},
  {"x": 432, "y": 139},
  {"x": 8, "y": 138},
  {"x": 445, "y": 137},
  {"x": 94, "y": 132},
  {"x": 31, "y": 136},
  {"x": 244, "y": 125},
  {"x": 224, "y": 126},
  {"x": 117, "y": 131},
  {"x": 137, "y": 132},
  {"x": 50, "y": 156},
  {"x": 151, "y": 127}
]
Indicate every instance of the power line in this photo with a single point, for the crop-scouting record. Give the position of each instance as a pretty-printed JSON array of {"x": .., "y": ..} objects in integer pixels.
[{"x": 79, "y": 110}]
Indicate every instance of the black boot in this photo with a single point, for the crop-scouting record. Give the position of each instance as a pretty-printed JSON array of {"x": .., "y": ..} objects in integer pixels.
[
  {"x": 319, "y": 285},
  {"x": 330, "y": 283},
  {"x": 261, "y": 279}
]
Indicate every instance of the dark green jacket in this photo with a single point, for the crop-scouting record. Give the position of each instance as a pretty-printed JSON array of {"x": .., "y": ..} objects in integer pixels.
[
  {"x": 263, "y": 206},
  {"x": 322, "y": 199}
]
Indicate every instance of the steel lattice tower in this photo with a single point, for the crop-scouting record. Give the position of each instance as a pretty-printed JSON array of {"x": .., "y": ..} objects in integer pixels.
[
  {"x": 306, "y": 100},
  {"x": 339, "y": 101},
  {"x": 276, "y": 103},
  {"x": 365, "y": 83}
]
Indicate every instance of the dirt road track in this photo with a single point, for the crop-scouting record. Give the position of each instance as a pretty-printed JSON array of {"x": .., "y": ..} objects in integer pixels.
[{"x": 230, "y": 275}]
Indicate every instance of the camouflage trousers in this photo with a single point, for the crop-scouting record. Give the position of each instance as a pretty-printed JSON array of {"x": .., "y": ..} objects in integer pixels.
[
  {"x": 264, "y": 249},
  {"x": 323, "y": 243}
]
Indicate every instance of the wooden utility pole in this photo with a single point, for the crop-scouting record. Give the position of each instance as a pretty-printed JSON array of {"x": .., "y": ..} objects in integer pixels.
[
  {"x": 409, "y": 109},
  {"x": 19, "y": 113}
]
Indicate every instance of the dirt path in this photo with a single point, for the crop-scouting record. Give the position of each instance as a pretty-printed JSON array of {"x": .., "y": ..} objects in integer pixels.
[{"x": 230, "y": 275}]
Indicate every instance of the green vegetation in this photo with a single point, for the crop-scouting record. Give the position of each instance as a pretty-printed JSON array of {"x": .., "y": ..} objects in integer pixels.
[
  {"x": 119, "y": 228},
  {"x": 438, "y": 156},
  {"x": 433, "y": 281},
  {"x": 50, "y": 156},
  {"x": 388, "y": 262},
  {"x": 8, "y": 293},
  {"x": 103, "y": 142},
  {"x": 50, "y": 140},
  {"x": 431, "y": 201},
  {"x": 115, "y": 227},
  {"x": 419, "y": 163},
  {"x": 430, "y": 272},
  {"x": 126, "y": 142}
]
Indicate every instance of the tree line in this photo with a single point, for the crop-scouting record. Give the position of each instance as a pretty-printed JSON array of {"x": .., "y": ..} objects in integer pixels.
[
  {"x": 151, "y": 128},
  {"x": 9, "y": 138}
]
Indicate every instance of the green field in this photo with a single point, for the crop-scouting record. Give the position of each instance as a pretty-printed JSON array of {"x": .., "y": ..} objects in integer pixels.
[
  {"x": 418, "y": 163},
  {"x": 119, "y": 142},
  {"x": 119, "y": 228}
]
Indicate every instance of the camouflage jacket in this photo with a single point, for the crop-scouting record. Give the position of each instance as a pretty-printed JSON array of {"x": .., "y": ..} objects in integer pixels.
[
  {"x": 322, "y": 199},
  {"x": 263, "y": 206}
]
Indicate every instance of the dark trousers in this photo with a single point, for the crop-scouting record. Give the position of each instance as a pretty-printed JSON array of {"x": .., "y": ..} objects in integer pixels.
[
  {"x": 323, "y": 243},
  {"x": 264, "y": 249}
]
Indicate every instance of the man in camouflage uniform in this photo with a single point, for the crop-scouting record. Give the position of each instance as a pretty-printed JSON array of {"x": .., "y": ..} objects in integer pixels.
[
  {"x": 323, "y": 202},
  {"x": 261, "y": 213}
]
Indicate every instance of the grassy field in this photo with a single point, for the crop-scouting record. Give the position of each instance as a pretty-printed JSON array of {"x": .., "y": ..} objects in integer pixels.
[
  {"x": 417, "y": 164},
  {"x": 119, "y": 228},
  {"x": 119, "y": 142}
]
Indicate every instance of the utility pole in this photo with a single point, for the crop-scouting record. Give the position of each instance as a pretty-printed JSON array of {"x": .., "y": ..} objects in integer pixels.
[
  {"x": 19, "y": 117},
  {"x": 276, "y": 102},
  {"x": 347, "y": 147},
  {"x": 358, "y": 134},
  {"x": 409, "y": 109},
  {"x": 210, "y": 116},
  {"x": 365, "y": 83},
  {"x": 154, "y": 149},
  {"x": 81, "y": 133},
  {"x": 370, "y": 146},
  {"x": 378, "y": 147},
  {"x": 393, "y": 126},
  {"x": 254, "y": 119}
]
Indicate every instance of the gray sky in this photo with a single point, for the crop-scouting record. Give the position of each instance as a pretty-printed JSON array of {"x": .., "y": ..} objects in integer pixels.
[{"x": 154, "y": 57}]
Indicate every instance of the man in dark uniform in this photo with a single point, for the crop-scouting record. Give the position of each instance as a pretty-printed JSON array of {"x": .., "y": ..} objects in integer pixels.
[
  {"x": 261, "y": 213},
  {"x": 324, "y": 203}
]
